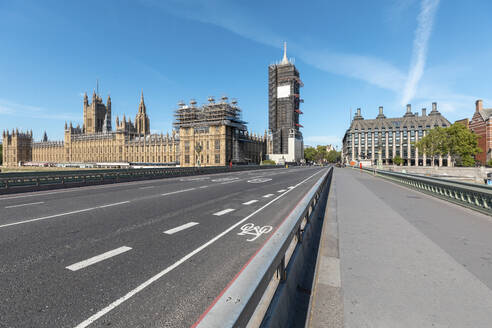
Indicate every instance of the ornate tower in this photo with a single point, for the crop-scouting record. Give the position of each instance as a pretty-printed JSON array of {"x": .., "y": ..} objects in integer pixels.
[
  {"x": 283, "y": 104},
  {"x": 142, "y": 122},
  {"x": 95, "y": 114}
]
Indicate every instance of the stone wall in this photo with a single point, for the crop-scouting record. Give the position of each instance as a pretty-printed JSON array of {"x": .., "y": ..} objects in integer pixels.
[{"x": 464, "y": 174}]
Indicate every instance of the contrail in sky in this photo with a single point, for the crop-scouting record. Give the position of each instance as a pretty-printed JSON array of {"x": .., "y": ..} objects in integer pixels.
[{"x": 425, "y": 21}]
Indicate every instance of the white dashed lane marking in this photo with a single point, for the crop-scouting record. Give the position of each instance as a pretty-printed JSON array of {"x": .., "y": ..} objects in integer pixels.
[
  {"x": 98, "y": 258},
  {"x": 181, "y": 227},
  {"x": 177, "y": 191},
  {"x": 228, "y": 210},
  {"x": 250, "y": 202},
  {"x": 282, "y": 190},
  {"x": 268, "y": 196},
  {"x": 21, "y": 205}
]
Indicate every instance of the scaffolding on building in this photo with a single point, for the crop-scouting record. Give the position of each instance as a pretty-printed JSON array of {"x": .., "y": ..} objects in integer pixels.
[{"x": 210, "y": 114}]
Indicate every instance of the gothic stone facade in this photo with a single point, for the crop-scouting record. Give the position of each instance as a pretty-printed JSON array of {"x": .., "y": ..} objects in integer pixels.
[
  {"x": 481, "y": 125},
  {"x": 97, "y": 142},
  {"x": 382, "y": 139},
  {"x": 214, "y": 135}
]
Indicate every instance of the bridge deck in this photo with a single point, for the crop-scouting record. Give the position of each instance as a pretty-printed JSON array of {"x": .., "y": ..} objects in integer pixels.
[{"x": 405, "y": 259}]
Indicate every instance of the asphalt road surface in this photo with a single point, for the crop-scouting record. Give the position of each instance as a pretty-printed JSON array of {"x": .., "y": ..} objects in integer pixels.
[{"x": 139, "y": 254}]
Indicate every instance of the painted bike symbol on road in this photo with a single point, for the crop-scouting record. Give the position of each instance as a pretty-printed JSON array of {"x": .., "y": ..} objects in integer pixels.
[{"x": 256, "y": 231}]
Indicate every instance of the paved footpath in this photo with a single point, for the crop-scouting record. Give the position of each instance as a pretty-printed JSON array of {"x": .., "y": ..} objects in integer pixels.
[{"x": 406, "y": 259}]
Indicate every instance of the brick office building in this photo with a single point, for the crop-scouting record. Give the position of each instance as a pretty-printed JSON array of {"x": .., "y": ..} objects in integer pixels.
[{"x": 481, "y": 125}]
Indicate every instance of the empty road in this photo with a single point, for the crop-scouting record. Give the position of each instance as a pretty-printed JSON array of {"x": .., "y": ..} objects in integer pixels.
[{"x": 139, "y": 254}]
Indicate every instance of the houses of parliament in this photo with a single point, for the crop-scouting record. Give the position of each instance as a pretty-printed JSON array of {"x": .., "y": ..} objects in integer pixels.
[{"x": 209, "y": 135}]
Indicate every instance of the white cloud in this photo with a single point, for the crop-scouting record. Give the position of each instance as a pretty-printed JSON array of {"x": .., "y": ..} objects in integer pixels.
[
  {"x": 30, "y": 112},
  {"x": 236, "y": 19},
  {"x": 425, "y": 21}
]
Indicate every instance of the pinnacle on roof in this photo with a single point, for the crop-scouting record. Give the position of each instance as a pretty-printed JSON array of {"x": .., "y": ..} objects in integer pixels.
[{"x": 284, "y": 59}]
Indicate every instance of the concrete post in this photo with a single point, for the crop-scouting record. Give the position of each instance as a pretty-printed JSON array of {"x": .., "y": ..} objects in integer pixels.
[
  {"x": 353, "y": 146},
  {"x": 401, "y": 145},
  {"x": 372, "y": 145},
  {"x": 450, "y": 163},
  {"x": 358, "y": 148},
  {"x": 440, "y": 160},
  {"x": 386, "y": 155},
  {"x": 409, "y": 149},
  {"x": 394, "y": 144},
  {"x": 424, "y": 157},
  {"x": 365, "y": 144}
]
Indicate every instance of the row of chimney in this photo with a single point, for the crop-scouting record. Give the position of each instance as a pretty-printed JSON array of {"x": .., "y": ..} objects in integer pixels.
[{"x": 409, "y": 109}]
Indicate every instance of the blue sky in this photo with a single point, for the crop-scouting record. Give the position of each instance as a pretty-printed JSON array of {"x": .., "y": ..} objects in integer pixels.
[{"x": 349, "y": 53}]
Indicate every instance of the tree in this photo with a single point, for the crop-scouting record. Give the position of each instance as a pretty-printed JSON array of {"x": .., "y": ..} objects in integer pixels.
[
  {"x": 310, "y": 154},
  {"x": 397, "y": 160},
  {"x": 455, "y": 140},
  {"x": 462, "y": 144},
  {"x": 333, "y": 156},
  {"x": 433, "y": 144},
  {"x": 321, "y": 153}
]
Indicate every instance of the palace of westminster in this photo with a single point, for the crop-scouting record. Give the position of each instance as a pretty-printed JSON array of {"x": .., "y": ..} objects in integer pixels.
[{"x": 212, "y": 134}]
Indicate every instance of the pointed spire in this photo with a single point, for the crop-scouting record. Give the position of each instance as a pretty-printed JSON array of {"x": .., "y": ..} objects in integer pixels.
[
  {"x": 284, "y": 59},
  {"x": 142, "y": 97}
]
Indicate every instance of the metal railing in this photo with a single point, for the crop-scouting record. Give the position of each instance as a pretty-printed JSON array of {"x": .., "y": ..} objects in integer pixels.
[
  {"x": 477, "y": 197},
  {"x": 246, "y": 300},
  {"x": 19, "y": 181}
]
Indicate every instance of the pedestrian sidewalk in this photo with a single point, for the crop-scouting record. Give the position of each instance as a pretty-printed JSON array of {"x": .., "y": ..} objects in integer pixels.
[{"x": 391, "y": 257}]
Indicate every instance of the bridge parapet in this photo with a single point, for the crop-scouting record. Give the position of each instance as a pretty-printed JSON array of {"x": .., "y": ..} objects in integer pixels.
[{"x": 474, "y": 196}]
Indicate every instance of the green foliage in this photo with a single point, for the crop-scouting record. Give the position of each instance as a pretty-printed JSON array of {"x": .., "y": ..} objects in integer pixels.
[
  {"x": 333, "y": 156},
  {"x": 320, "y": 155},
  {"x": 310, "y": 154},
  {"x": 397, "y": 160},
  {"x": 489, "y": 163},
  {"x": 462, "y": 144},
  {"x": 455, "y": 140},
  {"x": 267, "y": 162}
]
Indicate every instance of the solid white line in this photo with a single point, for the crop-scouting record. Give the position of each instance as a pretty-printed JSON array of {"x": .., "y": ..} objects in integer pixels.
[
  {"x": 250, "y": 202},
  {"x": 177, "y": 191},
  {"x": 114, "y": 204},
  {"x": 227, "y": 210},
  {"x": 61, "y": 214},
  {"x": 98, "y": 258},
  {"x": 268, "y": 196},
  {"x": 148, "y": 187},
  {"x": 147, "y": 283},
  {"x": 281, "y": 190},
  {"x": 28, "y": 204},
  {"x": 182, "y": 227},
  {"x": 290, "y": 187}
]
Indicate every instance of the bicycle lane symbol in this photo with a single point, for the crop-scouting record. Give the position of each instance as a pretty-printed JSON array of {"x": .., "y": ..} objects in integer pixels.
[{"x": 256, "y": 231}]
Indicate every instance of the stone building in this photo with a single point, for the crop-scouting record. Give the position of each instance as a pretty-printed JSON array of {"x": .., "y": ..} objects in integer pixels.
[
  {"x": 284, "y": 101},
  {"x": 221, "y": 142},
  {"x": 215, "y": 135},
  {"x": 381, "y": 139},
  {"x": 481, "y": 125}
]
